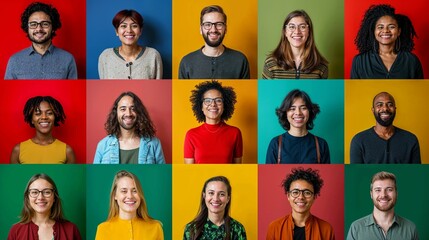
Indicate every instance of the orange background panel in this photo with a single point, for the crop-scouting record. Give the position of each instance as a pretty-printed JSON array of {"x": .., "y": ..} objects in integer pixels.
[
  {"x": 188, "y": 182},
  {"x": 242, "y": 29},
  {"x": 411, "y": 111},
  {"x": 244, "y": 117}
]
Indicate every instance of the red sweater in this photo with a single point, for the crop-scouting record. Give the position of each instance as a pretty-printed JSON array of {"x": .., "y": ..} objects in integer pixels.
[
  {"x": 315, "y": 229},
  {"x": 29, "y": 231},
  {"x": 218, "y": 143}
]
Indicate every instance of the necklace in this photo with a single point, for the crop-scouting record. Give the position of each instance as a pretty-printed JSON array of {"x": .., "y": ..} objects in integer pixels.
[{"x": 215, "y": 131}]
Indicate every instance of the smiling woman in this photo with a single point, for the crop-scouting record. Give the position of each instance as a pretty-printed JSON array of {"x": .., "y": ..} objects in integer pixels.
[{"x": 43, "y": 113}]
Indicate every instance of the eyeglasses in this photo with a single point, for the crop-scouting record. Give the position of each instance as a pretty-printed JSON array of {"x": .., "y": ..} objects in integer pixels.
[
  {"x": 292, "y": 27},
  {"x": 306, "y": 193},
  {"x": 47, "y": 192},
  {"x": 208, "y": 25},
  {"x": 43, "y": 24},
  {"x": 209, "y": 101}
]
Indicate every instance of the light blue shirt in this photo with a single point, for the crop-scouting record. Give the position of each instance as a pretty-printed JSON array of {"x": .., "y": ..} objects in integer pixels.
[
  {"x": 56, "y": 63},
  {"x": 150, "y": 151}
]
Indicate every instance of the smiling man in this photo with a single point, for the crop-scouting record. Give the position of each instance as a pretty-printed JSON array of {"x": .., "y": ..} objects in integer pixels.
[
  {"x": 383, "y": 223},
  {"x": 214, "y": 60},
  {"x": 42, "y": 60},
  {"x": 131, "y": 134},
  {"x": 301, "y": 186},
  {"x": 384, "y": 143}
]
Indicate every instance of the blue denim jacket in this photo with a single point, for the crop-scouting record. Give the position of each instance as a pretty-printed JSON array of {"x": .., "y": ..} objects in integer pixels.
[{"x": 150, "y": 151}]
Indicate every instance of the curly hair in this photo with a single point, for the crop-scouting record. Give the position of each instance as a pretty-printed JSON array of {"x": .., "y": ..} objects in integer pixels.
[
  {"x": 365, "y": 40},
  {"x": 281, "y": 111},
  {"x": 197, "y": 224},
  {"x": 309, "y": 175},
  {"x": 283, "y": 52},
  {"x": 48, "y": 9},
  {"x": 33, "y": 104},
  {"x": 143, "y": 126},
  {"x": 56, "y": 211},
  {"x": 228, "y": 95}
]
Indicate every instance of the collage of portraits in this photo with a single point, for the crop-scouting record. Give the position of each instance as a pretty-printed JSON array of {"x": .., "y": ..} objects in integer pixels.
[{"x": 214, "y": 119}]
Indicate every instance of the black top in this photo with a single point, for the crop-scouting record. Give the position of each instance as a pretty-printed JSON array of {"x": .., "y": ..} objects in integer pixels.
[{"x": 369, "y": 65}]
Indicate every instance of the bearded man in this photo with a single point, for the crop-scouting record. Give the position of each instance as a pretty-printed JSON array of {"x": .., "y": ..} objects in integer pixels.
[{"x": 384, "y": 143}]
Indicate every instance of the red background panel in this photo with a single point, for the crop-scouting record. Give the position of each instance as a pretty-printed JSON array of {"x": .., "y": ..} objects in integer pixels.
[
  {"x": 416, "y": 10},
  {"x": 15, "y": 93},
  {"x": 155, "y": 95},
  {"x": 70, "y": 37},
  {"x": 273, "y": 202}
]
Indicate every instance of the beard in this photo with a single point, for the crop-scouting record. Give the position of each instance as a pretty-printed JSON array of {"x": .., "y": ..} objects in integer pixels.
[
  {"x": 128, "y": 126},
  {"x": 384, "y": 208},
  {"x": 213, "y": 43},
  {"x": 385, "y": 123},
  {"x": 45, "y": 39}
]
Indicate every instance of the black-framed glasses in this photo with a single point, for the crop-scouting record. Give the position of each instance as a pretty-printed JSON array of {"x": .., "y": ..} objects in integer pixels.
[
  {"x": 47, "y": 192},
  {"x": 306, "y": 193},
  {"x": 292, "y": 27},
  {"x": 43, "y": 24},
  {"x": 208, "y": 25},
  {"x": 209, "y": 101}
]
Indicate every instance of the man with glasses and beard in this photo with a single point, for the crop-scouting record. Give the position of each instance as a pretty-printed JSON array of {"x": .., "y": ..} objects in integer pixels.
[
  {"x": 383, "y": 223},
  {"x": 214, "y": 60},
  {"x": 42, "y": 60},
  {"x": 384, "y": 143}
]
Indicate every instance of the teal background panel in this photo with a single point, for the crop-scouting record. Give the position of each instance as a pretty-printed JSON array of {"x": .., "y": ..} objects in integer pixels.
[
  {"x": 156, "y": 183},
  {"x": 413, "y": 197},
  {"x": 328, "y": 24},
  {"x": 70, "y": 181},
  {"x": 329, "y": 123}
]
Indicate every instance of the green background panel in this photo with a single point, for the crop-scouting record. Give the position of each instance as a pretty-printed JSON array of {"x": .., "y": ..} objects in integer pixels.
[
  {"x": 329, "y": 123},
  {"x": 413, "y": 197},
  {"x": 328, "y": 23},
  {"x": 70, "y": 181},
  {"x": 156, "y": 184}
]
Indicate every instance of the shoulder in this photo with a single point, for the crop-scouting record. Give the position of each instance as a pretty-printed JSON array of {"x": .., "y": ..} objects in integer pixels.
[
  {"x": 192, "y": 55},
  {"x": 18, "y": 226},
  {"x": 405, "y": 134},
  {"x": 67, "y": 224},
  {"x": 107, "y": 140},
  {"x": 323, "y": 223},
  {"x": 408, "y": 56},
  {"x": 278, "y": 222},
  {"x": 151, "y": 51},
  {"x": 152, "y": 140},
  {"x": 361, "y": 222},
  {"x": 363, "y": 134},
  {"x": 107, "y": 52},
  {"x": 406, "y": 222},
  {"x": 234, "y": 53},
  {"x": 236, "y": 223},
  {"x": 62, "y": 52},
  {"x": 270, "y": 61}
]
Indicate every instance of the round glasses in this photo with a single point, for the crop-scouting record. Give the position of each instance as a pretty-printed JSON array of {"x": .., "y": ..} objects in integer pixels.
[
  {"x": 306, "y": 193},
  {"x": 208, "y": 25},
  {"x": 47, "y": 192},
  {"x": 209, "y": 101},
  {"x": 292, "y": 27},
  {"x": 43, "y": 24}
]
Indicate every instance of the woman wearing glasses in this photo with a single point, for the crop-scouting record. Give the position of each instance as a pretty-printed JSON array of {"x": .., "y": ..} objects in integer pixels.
[
  {"x": 214, "y": 141},
  {"x": 42, "y": 214},
  {"x": 385, "y": 41},
  {"x": 296, "y": 56},
  {"x": 301, "y": 186},
  {"x": 128, "y": 215},
  {"x": 130, "y": 60}
]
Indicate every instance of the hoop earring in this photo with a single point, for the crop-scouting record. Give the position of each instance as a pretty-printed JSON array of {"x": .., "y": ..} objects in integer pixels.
[
  {"x": 375, "y": 46},
  {"x": 398, "y": 45}
]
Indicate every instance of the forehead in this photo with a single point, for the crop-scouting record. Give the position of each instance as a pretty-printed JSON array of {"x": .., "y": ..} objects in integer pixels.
[
  {"x": 385, "y": 183},
  {"x": 40, "y": 184},
  {"x": 297, "y": 20},
  {"x": 301, "y": 184},
  {"x": 212, "y": 93},
  {"x": 125, "y": 182},
  {"x": 39, "y": 16},
  {"x": 128, "y": 20},
  {"x": 383, "y": 98},
  {"x": 386, "y": 20},
  {"x": 298, "y": 100},
  {"x": 213, "y": 17},
  {"x": 125, "y": 100},
  {"x": 216, "y": 186}
]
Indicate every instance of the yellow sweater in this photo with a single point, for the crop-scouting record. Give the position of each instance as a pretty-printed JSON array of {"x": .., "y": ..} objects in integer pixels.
[
  {"x": 30, "y": 152},
  {"x": 135, "y": 229}
]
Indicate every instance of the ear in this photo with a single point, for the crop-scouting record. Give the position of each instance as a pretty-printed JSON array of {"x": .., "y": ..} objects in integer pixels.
[{"x": 204, "y": 195}]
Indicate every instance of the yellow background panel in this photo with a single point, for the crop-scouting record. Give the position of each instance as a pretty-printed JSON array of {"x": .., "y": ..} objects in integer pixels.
[
  {"x": 412, "y": 113},
  {"x": 244, "y": 117},
  {"x": 242, "y": 29},
  {"x": 188, "y": 182}
]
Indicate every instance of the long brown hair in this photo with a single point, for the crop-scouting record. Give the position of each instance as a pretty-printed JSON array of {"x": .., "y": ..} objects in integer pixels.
[
  {"x": 283, "y": 52},
  {"x": 27, "y": 212},
  {"x": 114, "y": 207}
]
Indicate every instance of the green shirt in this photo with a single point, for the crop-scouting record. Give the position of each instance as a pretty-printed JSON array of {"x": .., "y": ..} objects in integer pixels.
[
  {"x": 211, "y": 231},
  {"x": 367, "y": 229}
]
